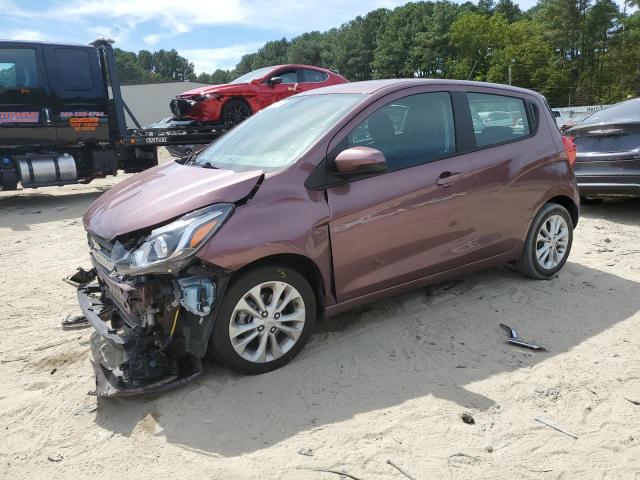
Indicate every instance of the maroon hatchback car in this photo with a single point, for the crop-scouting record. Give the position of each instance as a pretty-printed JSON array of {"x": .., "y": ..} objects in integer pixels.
[{"x": 316, "y": 204}]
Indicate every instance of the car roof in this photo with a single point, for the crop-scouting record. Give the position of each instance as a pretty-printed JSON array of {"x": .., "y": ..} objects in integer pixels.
[{"x": 391, "y": 85}]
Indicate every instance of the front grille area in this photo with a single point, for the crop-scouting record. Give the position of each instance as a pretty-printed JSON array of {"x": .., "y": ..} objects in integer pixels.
[
  {"x": 98, "y": 244},
  {"x": 101, "y": 250},
  {"x": 180, "y": 106}
]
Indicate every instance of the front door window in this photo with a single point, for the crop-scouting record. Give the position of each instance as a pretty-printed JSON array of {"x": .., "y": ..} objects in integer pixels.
[
  {"x": 410, "y": 131},
  {"x": 18, "y": 68}
]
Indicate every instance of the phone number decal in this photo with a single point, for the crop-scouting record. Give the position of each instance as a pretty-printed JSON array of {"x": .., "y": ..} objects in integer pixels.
[{"x": 82, "y": 114}]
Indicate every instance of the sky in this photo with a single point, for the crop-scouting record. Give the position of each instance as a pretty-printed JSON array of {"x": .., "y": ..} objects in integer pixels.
[{"x": 212, "y": 34}]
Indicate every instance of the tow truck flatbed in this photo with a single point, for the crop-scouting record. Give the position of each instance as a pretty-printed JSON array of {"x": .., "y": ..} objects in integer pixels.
[{"x": 174, "y": 132}]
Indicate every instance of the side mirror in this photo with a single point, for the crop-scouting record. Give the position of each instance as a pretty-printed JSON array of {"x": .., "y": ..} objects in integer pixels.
[
  {"x": 273, "y": 81},
  {"x": 359, "y": 161},
  {"x": 255, "y": 81}
]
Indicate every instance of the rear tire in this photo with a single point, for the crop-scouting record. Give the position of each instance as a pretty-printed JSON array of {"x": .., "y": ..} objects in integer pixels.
[
  {"x": 235, "y": 111},
  {"x": 548, "y": 243},
  {"x": 283, "y": 318}
]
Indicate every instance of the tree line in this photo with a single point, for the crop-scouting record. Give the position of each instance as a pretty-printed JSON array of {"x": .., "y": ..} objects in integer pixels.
[{"x": 575, "y": 52}]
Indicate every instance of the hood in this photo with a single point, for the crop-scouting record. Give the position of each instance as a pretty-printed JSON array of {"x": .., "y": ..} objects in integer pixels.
[
  {"x": 162, "y": 193},
  {"x": 221, "y": 89}
]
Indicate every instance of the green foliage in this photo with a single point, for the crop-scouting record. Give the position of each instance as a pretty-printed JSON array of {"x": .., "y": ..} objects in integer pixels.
[
  {"x": 273, "y": 53},
  {"x": 509, "y": 9},
  {"x": 476, "y": 39},
  {"x": 486, "y": 6},
  {"x": 415, "y": 40},
  {"x": 219, "y": 76},
  {"x": 247, "y": 63},
  {"x": 621, "y": 62},
  {"x": 307, "y": 49},
  {"x": 572, "y": 51},
  {"x": 351, "y": 47},
  {"x": 146, "y": 67}
]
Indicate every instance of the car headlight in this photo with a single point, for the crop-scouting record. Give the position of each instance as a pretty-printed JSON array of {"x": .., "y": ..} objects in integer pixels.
[
  {"x": 168, "y": 247},
  {"x": 207, "y": 96}
]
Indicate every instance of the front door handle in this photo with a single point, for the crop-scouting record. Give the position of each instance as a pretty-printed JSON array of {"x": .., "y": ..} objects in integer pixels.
[
  {"x": 447, "y": 178},
  {"x": 47, "y": 115}
]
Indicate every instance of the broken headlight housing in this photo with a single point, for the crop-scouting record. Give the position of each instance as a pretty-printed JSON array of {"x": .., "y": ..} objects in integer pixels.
[{"x": 167, "y": 248}]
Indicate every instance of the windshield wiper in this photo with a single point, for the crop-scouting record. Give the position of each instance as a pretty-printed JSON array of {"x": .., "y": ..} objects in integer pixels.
[
  {"x": 189, "y": 159},
  {"x": 209, "y": 165}
]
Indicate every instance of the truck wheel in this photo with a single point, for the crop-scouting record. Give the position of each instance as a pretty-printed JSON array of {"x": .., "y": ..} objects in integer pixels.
[
  {"x": 235, "y": 111},
  {"x": 548, "y": 243},
  {"x": 267, "y": 316}
]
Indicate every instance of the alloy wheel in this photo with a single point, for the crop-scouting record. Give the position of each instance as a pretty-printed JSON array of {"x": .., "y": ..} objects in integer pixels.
[
  {"x": 236, "y": 113},
  {"x": 267, "y": 322},
  {"x": 552, "y": 242}
]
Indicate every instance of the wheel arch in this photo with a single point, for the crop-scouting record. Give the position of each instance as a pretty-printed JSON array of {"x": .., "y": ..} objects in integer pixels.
[
  {"x": 569, "y": 204},
  {"x": 239, "y": 98},
  {"x": 302, "y": 264}
]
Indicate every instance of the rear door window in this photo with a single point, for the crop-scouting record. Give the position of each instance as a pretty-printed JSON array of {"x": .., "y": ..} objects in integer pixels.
[
  {"x": 74, "y": 69},
  {"x": 18, "y": 68},
  {"x": 498, "y": 118}
]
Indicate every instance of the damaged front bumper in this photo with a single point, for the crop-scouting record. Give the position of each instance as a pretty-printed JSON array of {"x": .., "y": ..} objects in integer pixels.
[
  {"x": 108, "y": 374},
  {"x": 151, "y": 331},
  {"x": 109, "y": 381}
]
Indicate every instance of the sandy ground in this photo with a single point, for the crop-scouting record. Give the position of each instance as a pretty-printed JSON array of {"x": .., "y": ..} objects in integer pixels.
[{"x": 389, "y": 381}]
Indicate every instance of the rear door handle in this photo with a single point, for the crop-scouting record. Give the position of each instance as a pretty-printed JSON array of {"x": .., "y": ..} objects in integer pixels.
[{"x": 447, "y": 178}]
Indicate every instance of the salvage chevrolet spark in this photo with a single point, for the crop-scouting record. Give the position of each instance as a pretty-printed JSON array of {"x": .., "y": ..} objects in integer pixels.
[{"x": 316, "y": 204}]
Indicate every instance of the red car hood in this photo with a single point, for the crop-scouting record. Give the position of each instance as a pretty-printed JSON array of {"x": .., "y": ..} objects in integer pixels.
[
  {"x": 162, "y": 193},
  {"x": 221, "y": 89}
]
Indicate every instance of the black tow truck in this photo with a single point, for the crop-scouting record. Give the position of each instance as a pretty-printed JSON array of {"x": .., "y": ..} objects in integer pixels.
[{"x": 62, "y": 117}]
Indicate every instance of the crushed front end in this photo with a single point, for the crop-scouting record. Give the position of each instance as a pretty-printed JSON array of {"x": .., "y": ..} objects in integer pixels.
[
  {"x": 199, "y": 107},
  {"x": 152, "y": 304}
]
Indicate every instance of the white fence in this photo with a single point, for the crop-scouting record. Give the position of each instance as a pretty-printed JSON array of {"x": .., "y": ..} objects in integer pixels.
[
  {"x": 577, "y": 113},
  {"x": 150, "y": 102}
]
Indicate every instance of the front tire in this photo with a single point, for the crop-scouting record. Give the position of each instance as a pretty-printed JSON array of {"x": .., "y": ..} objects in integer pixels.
[
  {"x": 548, "y": 243},
  {"x": 235, "y": 111},
  {"x": 267, "y": 317}
]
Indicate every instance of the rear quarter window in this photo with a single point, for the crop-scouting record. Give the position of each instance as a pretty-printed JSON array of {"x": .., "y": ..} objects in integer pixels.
[
  {"x": 498, "y": 118},
  {"x": 314, "y": 76}
]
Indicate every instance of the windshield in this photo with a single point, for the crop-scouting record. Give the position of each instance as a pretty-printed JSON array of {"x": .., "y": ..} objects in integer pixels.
[
  {"x": 279, "y": 135},
  {"x": 247, "y": 77}
]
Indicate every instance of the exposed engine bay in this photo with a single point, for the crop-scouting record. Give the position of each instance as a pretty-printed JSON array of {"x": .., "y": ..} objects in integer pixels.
[{"x": 151, "y": 330}]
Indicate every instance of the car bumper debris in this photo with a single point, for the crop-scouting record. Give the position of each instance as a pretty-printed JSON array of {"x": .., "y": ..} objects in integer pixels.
[{"x": 514, "y": 339}]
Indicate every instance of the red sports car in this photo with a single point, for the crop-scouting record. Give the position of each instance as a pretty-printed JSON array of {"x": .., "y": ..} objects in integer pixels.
[{"x": 231, "y": 103}]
